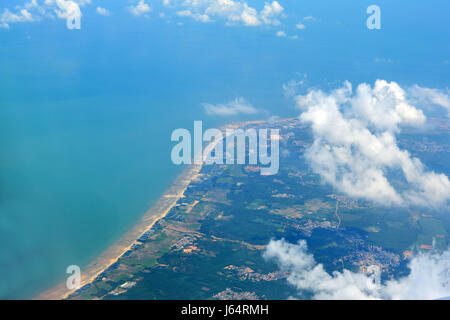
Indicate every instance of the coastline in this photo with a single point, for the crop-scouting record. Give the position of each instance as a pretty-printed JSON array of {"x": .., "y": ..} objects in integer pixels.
[{"x": 158, "y": 211}]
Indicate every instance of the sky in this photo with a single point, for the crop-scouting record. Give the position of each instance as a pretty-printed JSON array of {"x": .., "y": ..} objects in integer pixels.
[{"x": 86, "y": 114}]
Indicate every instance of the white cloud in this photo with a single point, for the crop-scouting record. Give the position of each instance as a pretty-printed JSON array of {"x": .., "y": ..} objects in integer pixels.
[
  {"x": 103, "y": 11},
  {"x": 140, "y": 9},
  {"x": 291, "y": 88},
  {"x": 428, "y": 278},
  {"x": 7, "y": 17},
  {"x": 32, "y": 10},
  {"x": 31, "y": 4},
  {"x": 271, "y": 12},
  {"x": 309, "y": 18},
  {"x": 383, "y": 60},
  {"x": 302, "y": 25},
  {"x": 249, "y": 17},
  {"x": 237, "y": 106},
  {"x": 195, "y": 16},
  {"x": 201, "y": 17},
  {"x": 283, "y": 34},
  {"x": 184, "y": 13},
  {"x": 68, "y": 9},
  {"x": 428, "y": 96},
  {"x": 355, "y": 144},
  {"x": 230, "y": 11}
]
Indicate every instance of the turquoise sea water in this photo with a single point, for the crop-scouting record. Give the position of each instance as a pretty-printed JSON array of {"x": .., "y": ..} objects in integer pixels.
[{"x": 86, "y": 116}]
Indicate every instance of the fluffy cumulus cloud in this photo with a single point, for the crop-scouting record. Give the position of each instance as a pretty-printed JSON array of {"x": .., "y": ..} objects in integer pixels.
[
  {"x": 235, "y": 107},
  {"x": 141, "y": 8},
  {"x": 67, "y": 9},
  {"x": 231, "y": 11},
  {"x": 37, "y": 10},
  {"x": 428, "y": 278},
  {"x": 355, "y": 148}
]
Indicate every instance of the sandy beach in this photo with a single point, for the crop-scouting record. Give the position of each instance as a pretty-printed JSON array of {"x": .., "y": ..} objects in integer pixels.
[{"x": 157, "y": 212}]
